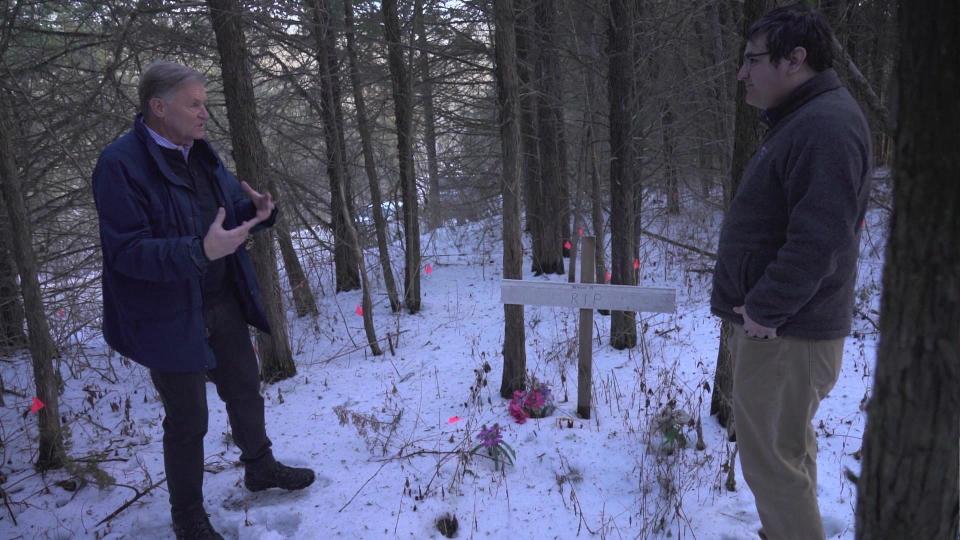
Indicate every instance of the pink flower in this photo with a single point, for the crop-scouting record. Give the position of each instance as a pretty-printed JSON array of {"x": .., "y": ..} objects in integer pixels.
[
  {"x": 516, "y": 408},
  {"x": 534, "y": 401}
]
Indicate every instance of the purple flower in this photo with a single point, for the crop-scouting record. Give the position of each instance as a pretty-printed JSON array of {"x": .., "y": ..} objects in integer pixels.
[
  {"x": 547, "y": 394},
  {"x": 490, "y": 438}
]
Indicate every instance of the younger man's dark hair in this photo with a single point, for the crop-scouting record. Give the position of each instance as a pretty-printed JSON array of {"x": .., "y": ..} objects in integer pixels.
[{"x": 793, "y": 26}]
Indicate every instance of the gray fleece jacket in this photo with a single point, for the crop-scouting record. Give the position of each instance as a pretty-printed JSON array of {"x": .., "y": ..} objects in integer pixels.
[{"x": 789, "y": 243}]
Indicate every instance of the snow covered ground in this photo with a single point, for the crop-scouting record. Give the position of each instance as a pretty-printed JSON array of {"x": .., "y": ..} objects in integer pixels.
[{"x": 390, "y": 435}]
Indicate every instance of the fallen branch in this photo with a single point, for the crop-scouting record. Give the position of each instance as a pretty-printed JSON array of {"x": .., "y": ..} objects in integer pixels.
[
  {"x": 6, "y": 502},
  {"x": 873, "y": 100},
  {"x": 694, "y": 249},
  {"x": 12, "y": 392},
  {"x": 361, "y": 488},
  {"x": 867, "y": 318},
  {"x": 127, "y": 504},
  {"x": 359, "y": 347}
]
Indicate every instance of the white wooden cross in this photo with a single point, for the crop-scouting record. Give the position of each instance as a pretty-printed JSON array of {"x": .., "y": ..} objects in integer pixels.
[{"x": 587, "y": 296}]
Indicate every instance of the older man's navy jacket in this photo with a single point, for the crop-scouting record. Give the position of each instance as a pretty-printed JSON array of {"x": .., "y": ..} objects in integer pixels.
[{"x": 150, "y": 235}]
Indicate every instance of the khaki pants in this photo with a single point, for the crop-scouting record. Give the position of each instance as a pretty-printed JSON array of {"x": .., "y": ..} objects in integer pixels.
[{"x": 777, "y": 387}]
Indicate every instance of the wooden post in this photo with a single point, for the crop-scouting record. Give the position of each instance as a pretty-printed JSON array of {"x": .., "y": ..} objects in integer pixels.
[{"x": 585, "y": 360}]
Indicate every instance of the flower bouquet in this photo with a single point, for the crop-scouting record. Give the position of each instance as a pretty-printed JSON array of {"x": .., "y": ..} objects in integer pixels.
[{"x": 537, "y": 402}]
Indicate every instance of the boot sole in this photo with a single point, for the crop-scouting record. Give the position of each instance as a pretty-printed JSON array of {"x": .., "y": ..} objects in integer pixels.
[{"x": 291, "y": 488}]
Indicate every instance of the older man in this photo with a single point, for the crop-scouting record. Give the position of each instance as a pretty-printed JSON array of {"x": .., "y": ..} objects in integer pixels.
[
  {"x": 179, "y": 288},
  {"x": 787, "y": 262}
]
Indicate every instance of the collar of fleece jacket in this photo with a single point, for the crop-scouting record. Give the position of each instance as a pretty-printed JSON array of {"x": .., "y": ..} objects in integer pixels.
[{"x": 823, "y": 82}]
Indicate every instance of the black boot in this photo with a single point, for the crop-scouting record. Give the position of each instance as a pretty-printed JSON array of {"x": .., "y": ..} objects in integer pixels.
[
  {"x": 277, "y": 475},
  {"x": 195, "y": 528}
]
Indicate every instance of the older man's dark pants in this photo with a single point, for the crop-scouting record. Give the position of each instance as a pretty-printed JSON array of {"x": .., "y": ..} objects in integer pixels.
[{"x": 184, "y": 397}]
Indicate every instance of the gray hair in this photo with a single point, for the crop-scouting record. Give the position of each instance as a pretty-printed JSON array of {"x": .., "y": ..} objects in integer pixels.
[{"x": 160, "y": 79}]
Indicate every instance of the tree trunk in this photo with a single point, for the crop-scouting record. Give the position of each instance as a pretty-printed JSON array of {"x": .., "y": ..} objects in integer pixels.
[
  {"x": 51, "y": 454},
  {"x": 720, "y": 92},
  {"x": 596, "y": 216},
  {"x": 12, "y": 318},
  {"x": 746, "y": 134},
  {"x": 881, "y": 47},
  {"x": 526, "y": 61},
  {"x": 434, "y": 207},
  {"x": 564, "y": 213},
  {"x": 593, "y": 162},
  {"x": 403, "y": 110},
  {"x": 369, "y": 161},
  {"x": 637, "y": 134},
  {"x": 330, "y": 103},
  {"x": 721, "y": 399},
  {"x": 669, "y": 167},
  {"x": 303, "y": 299},
  {"x": 908, "y": 481},
  {"x": 508, "y": 86},
  {"x": 549, "y": 260},
  {"x": 576, "y": 199},
  {"x": 564, "y": 194},
  {"x": 252, "y": 165},
  {"x": 346, "y": 263},
  {"x": 623, "y": 325}
]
